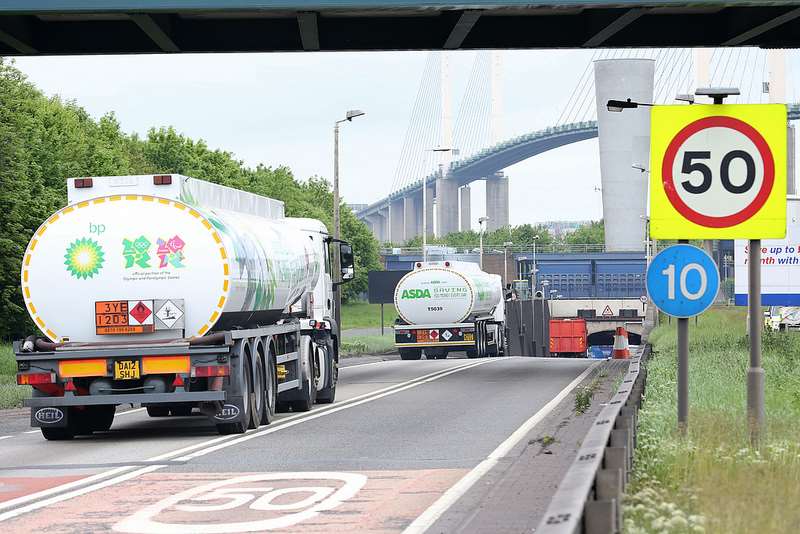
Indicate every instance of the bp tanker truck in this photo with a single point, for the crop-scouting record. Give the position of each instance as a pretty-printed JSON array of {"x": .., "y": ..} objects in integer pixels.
[
  {"x": 177, "y": 295},
  {"x": 447, "y": 306}
]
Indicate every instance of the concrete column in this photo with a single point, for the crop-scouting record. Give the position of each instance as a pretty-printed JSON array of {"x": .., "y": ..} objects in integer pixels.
[
  {"x": 466, "y": 209},
  {"x": 396, "y": 222},
  {"x": 410, "y": 223},
  {"x": 446, "y": 206},
  {"x": 430, "y": 189},
  {"x": 384, "y": 215},
  {"x": 497, "y": 201},
  {"x": 624, "y": 188}
]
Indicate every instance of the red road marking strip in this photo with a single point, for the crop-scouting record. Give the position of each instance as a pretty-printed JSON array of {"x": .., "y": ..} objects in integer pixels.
[{"x": 13, "y": 487}]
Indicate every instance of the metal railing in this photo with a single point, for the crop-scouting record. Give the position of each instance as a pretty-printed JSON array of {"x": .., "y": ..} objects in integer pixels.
[
  {"x": 588, "y": 499},
  {"x": 550, "y": 248}
]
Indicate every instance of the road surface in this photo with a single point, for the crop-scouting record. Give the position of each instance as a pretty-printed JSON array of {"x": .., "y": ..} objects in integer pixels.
[{"x": 405, "y": 442}]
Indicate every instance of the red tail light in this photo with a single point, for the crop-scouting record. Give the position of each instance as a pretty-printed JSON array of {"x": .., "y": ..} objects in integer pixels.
[
  {"x": 31, "y": 379},
  {"x": 205, "y": 371},
  {"x": 81, "y": 183},
  {"x": 162, "y": 179}
]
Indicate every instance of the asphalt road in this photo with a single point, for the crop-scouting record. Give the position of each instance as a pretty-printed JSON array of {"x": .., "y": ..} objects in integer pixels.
[{"x": 401, "y": 434}]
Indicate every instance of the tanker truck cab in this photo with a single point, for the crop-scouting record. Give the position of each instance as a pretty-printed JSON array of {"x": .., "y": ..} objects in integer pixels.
[
  {"x": 178, "y": 295},
  {"x": 448, "y": 306}
]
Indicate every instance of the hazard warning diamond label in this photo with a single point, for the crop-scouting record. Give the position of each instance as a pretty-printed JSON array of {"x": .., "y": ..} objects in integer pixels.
[
  {"x": 169, "y": 313},
  {"x": 140, "y": 312},
  {"x": 447, "y": 335},
  {"x": 433, "y": 334}
]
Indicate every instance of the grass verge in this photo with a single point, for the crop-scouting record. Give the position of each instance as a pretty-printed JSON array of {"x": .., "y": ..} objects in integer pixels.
[
  {"x": 712, "y": 480},
  {"x": 11, "y": 394},
  {"x": 355, "y": 345},
  {"x": 365, "y": 315}
]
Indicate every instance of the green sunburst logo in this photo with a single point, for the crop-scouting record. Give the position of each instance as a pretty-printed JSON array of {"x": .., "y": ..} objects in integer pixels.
[{"x": 84, "y": 258}]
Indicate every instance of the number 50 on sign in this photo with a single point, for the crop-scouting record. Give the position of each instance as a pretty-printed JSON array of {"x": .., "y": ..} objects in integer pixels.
[{"x": 718, "y": 171}]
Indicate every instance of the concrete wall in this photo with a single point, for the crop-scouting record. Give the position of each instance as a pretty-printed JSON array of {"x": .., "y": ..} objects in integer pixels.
[
  {"x": 497, "y": 201},
  {"x": 396, "y": 221},
  {"x": 570, "y": 307},
  {"x": 623, "y": 140},
  {"x": 411, "y": 223}
]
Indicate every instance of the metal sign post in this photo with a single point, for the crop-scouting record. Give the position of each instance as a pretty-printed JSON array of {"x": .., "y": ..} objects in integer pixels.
[
  {"x": 683, "y": 282},
  {"x": 719, "y": 172}
]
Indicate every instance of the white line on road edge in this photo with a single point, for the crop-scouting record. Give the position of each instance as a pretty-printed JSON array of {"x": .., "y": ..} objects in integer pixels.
[
  {"x": 122, "y": 475},
  {"x": 5, "y": 437},
  {"x": 126, "y": 412},
  {"x": 426, "y": 520}
]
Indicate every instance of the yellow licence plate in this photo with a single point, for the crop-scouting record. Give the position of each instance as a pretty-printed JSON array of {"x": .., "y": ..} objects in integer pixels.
[
  {"x": 469, "y": 336},
  {"x": 126, "y": 370}
]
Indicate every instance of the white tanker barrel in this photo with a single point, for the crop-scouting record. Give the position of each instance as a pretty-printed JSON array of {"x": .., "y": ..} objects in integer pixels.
[
  {"x": 445, "y": 293},
  {"x": 137, "y": 267}
]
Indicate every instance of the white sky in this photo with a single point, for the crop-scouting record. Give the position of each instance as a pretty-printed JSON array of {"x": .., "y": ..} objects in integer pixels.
[{"x": 279, "y": 109}]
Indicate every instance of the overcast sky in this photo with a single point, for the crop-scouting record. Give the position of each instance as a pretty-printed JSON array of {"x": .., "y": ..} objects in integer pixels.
[{"x": 279, "y": 109}]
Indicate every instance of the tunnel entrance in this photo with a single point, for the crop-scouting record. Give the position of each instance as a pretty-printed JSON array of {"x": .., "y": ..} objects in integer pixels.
[{"x": 606, "y": 337}]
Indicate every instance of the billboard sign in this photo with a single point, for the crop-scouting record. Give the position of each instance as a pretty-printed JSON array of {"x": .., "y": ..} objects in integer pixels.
[{"x": 780, "y": 264}]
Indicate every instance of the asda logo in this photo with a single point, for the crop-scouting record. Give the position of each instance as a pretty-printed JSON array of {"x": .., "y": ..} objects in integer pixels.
[{"x": 416, "y": 294}]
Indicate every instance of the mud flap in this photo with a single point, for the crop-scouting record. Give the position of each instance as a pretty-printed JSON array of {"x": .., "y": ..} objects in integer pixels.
[{"x": 50, "y": 416}]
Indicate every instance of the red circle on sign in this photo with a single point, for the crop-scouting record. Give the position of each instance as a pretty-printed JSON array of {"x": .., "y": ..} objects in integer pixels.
[{"x": 749, "y": 210}]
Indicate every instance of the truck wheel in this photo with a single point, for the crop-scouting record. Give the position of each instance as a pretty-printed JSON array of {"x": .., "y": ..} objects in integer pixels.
[
  {"x": 257, "y": 394},
  {"x": 58, "y": 434},
  {"x": 181, "y": 410},
  {"x": 472, "y": 353},
  {"x": 309, "y": 392},
  {"x": 102, "y": 417},
  {"x": 158, "y": 411},
  {"x": 240, "y": 426},
  {"x": 410, "y": 354},
  {"x": 270, "y": 392},
  {"x": 328, "y": 394}
]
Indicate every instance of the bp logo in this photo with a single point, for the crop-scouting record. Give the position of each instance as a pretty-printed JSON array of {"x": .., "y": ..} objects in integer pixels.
[
  {"x": 84, "y": 258},
  {"x": 416, "y": 294}
]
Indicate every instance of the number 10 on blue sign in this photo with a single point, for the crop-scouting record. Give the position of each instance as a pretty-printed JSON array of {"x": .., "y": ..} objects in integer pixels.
[{"x": 682, "y": 281}]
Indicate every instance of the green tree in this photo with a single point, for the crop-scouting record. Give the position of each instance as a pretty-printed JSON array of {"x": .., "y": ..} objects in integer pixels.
[{"x": 592, "y": 233}]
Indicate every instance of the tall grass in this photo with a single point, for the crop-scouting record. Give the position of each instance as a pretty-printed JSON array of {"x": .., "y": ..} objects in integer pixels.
[
  {"x": 11, "y": 394},
  {"x": 712, "y": 480},
  {"x": 356, "y": 345}
]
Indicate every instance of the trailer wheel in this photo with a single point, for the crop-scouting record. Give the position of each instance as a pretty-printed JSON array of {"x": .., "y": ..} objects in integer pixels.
[
  {"x": 102, "y": 417},
  {"x": 58, "y": 434},
  {"x": 181, "y": 410},
  {"x": 240, "y": 426},
  {"x": 257, "y": 394},
  {"x": 270, "y": 391},
  {"x": 158, "y": 411},
  {"x": 327, "y": 394},
  {"x": 410, "y": 354},
  {"x": 472, "y": 353}
]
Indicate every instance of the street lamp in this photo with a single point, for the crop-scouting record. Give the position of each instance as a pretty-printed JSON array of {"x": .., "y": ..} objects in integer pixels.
[
  {"x": 616, "y": 106},
  {"x": 425, "y": 205},
  {"x": 533, "y": 270},
  {"x": 349, "y": 116},
  {"x": 482, "y": 225}
]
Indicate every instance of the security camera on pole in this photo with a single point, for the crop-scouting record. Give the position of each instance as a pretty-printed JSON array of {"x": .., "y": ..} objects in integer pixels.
[{"x": 717, "y": 172}]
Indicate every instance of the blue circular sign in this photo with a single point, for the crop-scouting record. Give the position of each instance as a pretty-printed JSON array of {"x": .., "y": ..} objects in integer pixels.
[{"x": 682, "y": 281}]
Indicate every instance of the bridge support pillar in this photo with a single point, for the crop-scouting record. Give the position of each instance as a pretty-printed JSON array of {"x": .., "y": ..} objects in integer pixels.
[
  {"x": 411, "y": 222},
  {"x": 466, "y": 209},
  {"x": 497, "y": 201},
  {"x": 624, "y": 141},
  {"x": 396, "y": 223},
  {"x": 382, "y": 226},
  {"x": 446, "y": 206}
]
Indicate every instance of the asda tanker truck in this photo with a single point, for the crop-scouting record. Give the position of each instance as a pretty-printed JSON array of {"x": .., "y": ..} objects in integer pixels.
[
  {"x": 177, "y": 294},
  {"x": 447, "y": 306}
]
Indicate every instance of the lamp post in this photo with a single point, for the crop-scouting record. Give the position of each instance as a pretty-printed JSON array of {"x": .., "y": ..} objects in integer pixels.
[
  {"x": 505, "y": 260},
  {"x": 425, "y": 205},
  {"x": 482, "y": 225},
  {"x": 533, "y": 269},
  {"x": 337, "y": 296}
]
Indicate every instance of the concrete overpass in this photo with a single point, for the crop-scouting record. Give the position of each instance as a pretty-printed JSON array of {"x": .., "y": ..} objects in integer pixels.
[{"x": 30, "y": 27}]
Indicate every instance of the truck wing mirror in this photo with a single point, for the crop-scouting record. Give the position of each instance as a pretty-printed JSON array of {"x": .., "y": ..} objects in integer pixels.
[{"x": 346, "y": 261}]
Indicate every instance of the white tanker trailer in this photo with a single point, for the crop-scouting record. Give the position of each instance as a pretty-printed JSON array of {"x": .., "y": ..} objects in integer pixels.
[
  {"x": 175, "y": 293},
  {"x": 446, "y": 306}
]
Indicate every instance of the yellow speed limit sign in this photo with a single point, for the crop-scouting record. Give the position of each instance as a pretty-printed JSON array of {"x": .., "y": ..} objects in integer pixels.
[{"x": 718, "y": 171}]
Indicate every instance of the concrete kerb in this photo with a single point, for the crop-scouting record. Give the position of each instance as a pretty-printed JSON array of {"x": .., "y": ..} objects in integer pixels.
[{"x": 584, "y": 501}]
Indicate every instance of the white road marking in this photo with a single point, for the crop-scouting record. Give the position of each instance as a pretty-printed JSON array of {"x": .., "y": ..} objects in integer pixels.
[
  {"x": 426, "y": 520},
  {"x": 32, "y": 431},
  {"x": 223, "y": 495},
  {"x": 5, "y": 437},
  {"x": 119, "y": 474},
  {"x": 126, "y": 412}
]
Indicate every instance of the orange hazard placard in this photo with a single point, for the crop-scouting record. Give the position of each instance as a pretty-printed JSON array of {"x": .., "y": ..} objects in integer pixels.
[{"x": 114, "y": 317}]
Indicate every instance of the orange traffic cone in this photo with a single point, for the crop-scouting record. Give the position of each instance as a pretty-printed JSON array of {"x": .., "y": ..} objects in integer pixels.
[{"x": 621, "y": 350}]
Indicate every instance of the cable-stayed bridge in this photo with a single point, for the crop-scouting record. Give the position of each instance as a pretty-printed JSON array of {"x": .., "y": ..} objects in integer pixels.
[{"x": 479, "y": 154}]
